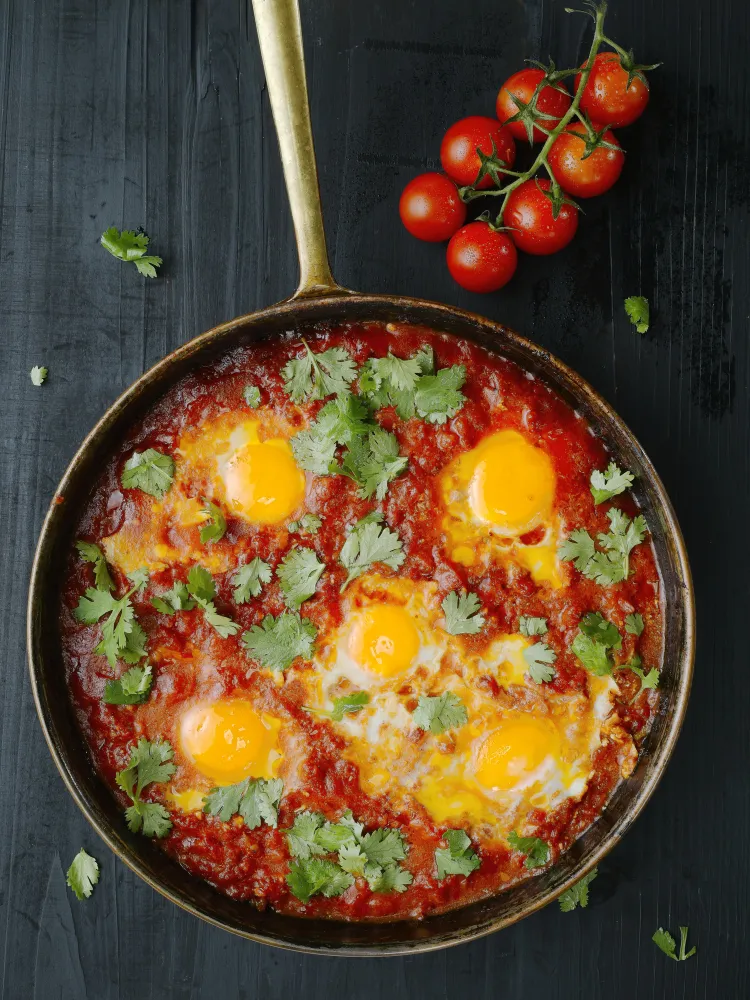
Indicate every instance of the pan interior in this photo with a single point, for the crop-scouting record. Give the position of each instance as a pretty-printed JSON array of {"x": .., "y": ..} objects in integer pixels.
[{"x": 168, "y": 877}]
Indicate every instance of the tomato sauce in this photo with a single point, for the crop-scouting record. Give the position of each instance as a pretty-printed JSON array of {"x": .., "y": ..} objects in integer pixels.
[{"x": 252, "y": 864}]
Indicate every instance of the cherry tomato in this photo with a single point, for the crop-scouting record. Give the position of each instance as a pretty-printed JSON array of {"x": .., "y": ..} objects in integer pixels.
[
  {"x": 585, "y": 178},
  {"x": 481, "y": 259},
  {"x": 605, "y": 98},
  {"x": 522, "y": 85},
  {"x": 431, "y": 209},
  {"x": 534, "y": 229},
  {"x": 458, "y": 151}
]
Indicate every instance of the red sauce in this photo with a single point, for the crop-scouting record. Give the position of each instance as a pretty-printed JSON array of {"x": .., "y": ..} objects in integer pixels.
[{"x": 252, "y": 864}]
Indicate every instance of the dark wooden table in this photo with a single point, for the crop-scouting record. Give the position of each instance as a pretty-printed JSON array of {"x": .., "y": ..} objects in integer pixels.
[{"x": 154, "y": 112}]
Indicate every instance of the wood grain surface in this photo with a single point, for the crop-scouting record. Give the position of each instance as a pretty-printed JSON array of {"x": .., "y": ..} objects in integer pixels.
[{"x": 154, "y": 113}]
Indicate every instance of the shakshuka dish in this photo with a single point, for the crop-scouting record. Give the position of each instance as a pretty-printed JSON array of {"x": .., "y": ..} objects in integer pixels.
[{"x": 362, "y": 624}]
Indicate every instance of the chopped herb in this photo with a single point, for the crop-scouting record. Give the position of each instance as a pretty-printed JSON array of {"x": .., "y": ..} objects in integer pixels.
[
  {"x": 457, "y": 858},
  {"x": 612, "y": 565},
  {"x": 174, "y": 600},
  {"x": 122, "y": 636},
  {"x": 202, "y": 588},
  {"x": 649, "y": 681},
  {"x": 316, "y": 875},
  {"x": 388, "y": 878},
  {"x": 340, "y": 421},
  {"x": 401, "y": 373},
  {"x": 256, "y": 800},
  {"x": 309, "y": 523},
  {"x": 251, "y": 395},
  {"x": 315, "y": 376},
  {"x": 150, "y": 471},
  {"x": 593, "y": 655},
  {"x": 38, "y": 374},
  {"x": 370, "y": 542},
  {"x": 578, "y": 894},
  {"x": 249, "y": 579},
  {"x": 532, "y": 626},
  {"x": 132, "y": 688},
  {"x": 349, "y": 704},
  {"x": 131, "y": 247},
  {"x": 664, "y": 940},
  {"x": 149, "y": 763},
  {"x": 636, "y": 306},
  {"x": 539, "y": 659},
  {"x": 277, "y": 642},
  {"x": 298, "y": 573},
  {"x": 537, "y": 851},
  {"x": 634, "y": 624},
  {"x": 596, "y": 626},
  {"x": 438, "y": 397},
  {"x": 83, "y": 874},
  {"x": 215, "y": 527},
  {"x": 93, "y": 554},
  {"x": 462, "y": 613},
  {"x": 139, "y": 578},
  {"x": 607, "y": 484},
  {"x": 373, "y": 461},
  {"x": 436, "y": 714}
]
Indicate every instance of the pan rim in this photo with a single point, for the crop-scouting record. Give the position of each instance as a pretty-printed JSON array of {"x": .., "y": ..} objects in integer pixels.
[{"x": 296, "y": 307}]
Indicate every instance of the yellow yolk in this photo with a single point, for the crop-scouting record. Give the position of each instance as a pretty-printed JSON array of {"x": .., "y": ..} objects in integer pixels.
[
  {"x": 384, "y": 640},
  {"x": 514, "y": 750},
  {"x": 263, "y": 482},
  {"x": 228, "y": 741},
  {"x": 512, "y": 484}
]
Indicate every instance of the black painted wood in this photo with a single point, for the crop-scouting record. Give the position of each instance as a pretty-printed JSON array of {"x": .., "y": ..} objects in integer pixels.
[{"x": 154, "y": 112}]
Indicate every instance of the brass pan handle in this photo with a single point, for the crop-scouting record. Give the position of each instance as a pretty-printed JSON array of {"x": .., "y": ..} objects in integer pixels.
[{"x": 280, "y": 36}]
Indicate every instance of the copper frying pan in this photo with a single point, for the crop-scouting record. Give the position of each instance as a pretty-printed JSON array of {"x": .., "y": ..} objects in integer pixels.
[{"x": 320, "y": 298}]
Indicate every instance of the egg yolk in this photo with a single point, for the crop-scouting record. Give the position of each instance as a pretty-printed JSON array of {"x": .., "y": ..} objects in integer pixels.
[
  {"x": 263, "y": 482},
  {"x": 512, "y": 483},
  {"x": 514, "y": 750},
  {"x": 384, "y": 640},
  {"x": 229, "y": 741}
]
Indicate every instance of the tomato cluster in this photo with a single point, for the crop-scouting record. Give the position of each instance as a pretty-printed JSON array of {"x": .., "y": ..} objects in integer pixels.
[{"x": 538, "y": 215}]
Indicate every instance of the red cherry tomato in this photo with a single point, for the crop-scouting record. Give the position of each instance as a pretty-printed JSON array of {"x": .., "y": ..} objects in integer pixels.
[
  {"x": 585, "y": 178},
  {"x": 480, "y": 259},
  {"x": 431, "y": 209},
  {"x": 606, "y": 98},
  {"x": 534, "y": 229},
  {"x": 522, "y": 85},
  {"x": 458, "y": 151}
]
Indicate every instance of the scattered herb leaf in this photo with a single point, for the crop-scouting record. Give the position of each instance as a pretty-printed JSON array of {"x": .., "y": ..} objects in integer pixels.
[
  {"x": 249, "y": 579},
  {"x": 150, "y": 471},
  {"x": 202, "y": 588},
  {"x": 664, "y": 940},
  {"x": 150, "y": 763},
  {"x": 298, "y": 573},
  {"x": 277, "y": 642},
  {"x": 457, "y": 858},
  {"x": 370, "y": 542},
  {"x": 349, "y": 704},
  {"x": 131, "y": 247},
  {"x": 309, "y": 523},
  {"x": 578, "y": 894},
  {"x": 537, "y": 851},
  {"x": 634, "y": 624},
  {"x": 637, "y": 308},
  {"x": 532, "y": 626},
  {"x": 93, "y": 554},
  {"x": 611, "y": 482},
  {"x": 83, "y": 874},
  {"x": 255, "y": 799},
  {"x": 133, "y": 688},
  {"x": 251, "y": 395},
  {"x": 215, "y": 527},
  {"x": 436, "y": 714},
  {"x": 315, "y": 376},
  {"x": 38, "y": 374},
  {"x": 539, "y": 659},
  {"x": 462, "y": 613}
]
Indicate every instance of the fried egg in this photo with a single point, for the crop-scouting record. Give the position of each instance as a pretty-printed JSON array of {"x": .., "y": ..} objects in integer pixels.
[
  {"x": 496, "y": 493},
  {"x": 228, "y": 740}
]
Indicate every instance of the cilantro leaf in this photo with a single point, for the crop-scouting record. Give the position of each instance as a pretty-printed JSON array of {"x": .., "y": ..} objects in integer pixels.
[
  {"x": 384, "y": 846},
  {"x": 202, "y": 588},
  {"x": 120, "y": 622},
  {"x": 255, "y": 799},
  {"x": 83, "y": 874},
  {"x": 309, "y": 523},
  {"x": 457, "y": 858},
  {"x": 649, "y": 681},
  {"x": 436, "y": 714},
  {"x": 315, "y": 376},
  {"x": 402, "y": 373},
  {"x": 309, "y": 877},
  {"x": 438, "y": 397},
  {"x": 131, "y": 247},
  {"x": 388, "y": 878},
  {"x": 664, "y": 940},
  {"x": 133, "y": 688},
  {"x": 349, "y": 704},
  {"x": 539, "y": 659},
  {"x": 249, "y": 579},
  {"x": 612, "y": 565},
  {"x": 578, "y": 894},
  {"x": 298, "y": 573},
  {"x": 174, "y": 600},
  {"x": 38, "y": 375},
  {"x": 373, "y": 462},
  {"x": 462, "y": 613},
  {"x": 578, "y": 548},
  {"x": 352, "y": 858},
  {"x": 636, "y": 306},
  {"x": 149, "y": 763},
  {"x": 368, "y": 543},
  {"x": 596, "y": 626},
  {"x": 532, "y": 626},
  {"x": 150, "y": 471},
  {"x": 277, "y": 642},
  {"x": 215, "y": 527},
  {"x": 93, "y": 554},
  {"x": 378, "y": 378},
  {"x": 301, "y": 838},
  {"x": 340, "y": 421},
  {"x": 139, "y": 578},
  {"x": 251, "y": 395},
  {"x": 592, "y": 654},
  {"x": 537, "y": 851},
  {"x": 634, "y": 624},
  {"x": 607, "y": 484}
]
